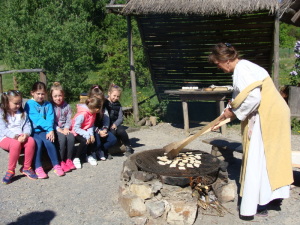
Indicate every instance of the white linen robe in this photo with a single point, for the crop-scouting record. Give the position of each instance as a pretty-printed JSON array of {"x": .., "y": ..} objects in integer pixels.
[{"x": 257, "y": 189}]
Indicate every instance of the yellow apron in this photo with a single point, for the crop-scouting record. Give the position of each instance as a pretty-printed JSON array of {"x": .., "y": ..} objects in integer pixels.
[{"x": 276, "y": 133}]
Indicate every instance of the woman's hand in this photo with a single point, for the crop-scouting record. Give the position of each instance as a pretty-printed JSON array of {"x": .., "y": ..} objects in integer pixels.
[
  {"x": 50, "y": 136},
  {"x": 226, "y": 114}
]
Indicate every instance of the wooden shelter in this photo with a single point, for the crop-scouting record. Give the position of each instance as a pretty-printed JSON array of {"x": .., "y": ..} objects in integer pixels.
[{"x": 177, "y": 36}]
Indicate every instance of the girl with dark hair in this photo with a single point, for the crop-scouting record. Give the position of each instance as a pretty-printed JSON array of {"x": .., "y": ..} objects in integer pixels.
[
  {"x": 41, "y": 116},
  {"x": 104, "y": 139},
  {"x": 15, "y": 130}
]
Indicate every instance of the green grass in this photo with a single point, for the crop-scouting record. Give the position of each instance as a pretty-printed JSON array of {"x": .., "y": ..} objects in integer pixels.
[
  {"x": 7, "y": 79},
  {"x": 285, "y": 67}
]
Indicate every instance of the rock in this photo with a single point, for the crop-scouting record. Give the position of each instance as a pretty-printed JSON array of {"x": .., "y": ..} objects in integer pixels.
[
  {"x": 144, "y": 191},
  {"x": 153, "y": 120},
  {"x": 225, "y": 192},
  {"x": 148, "y": 123},
  {"x": 133, "y": 205},
  {"x": 143, "y": 176},
  {"x": 182, "y": 212},
  {"x": 140, "y": 220},
  {"x": 156, "y": 186},
  {"x": 155, "y": 209},
  {"x": 128, "y": 168}
]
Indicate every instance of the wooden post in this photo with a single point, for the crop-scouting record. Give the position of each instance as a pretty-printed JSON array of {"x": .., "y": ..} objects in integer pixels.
[
  {"x": 1, "y": 87},
  {"x": 221, "y": 109},
  {"x": 276, "y": 51},
  {"x": 132, "y": 73},
  {"x": 15, "y": 83},
  {"x": 43, "y": 78},
  {"x": 185, "y": 111}
]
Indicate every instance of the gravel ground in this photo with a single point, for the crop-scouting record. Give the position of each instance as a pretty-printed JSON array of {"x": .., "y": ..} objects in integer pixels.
[{"x": 89, "y": 195}]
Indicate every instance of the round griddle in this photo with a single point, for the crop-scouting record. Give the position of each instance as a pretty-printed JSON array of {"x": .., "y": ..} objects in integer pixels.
[{"x": 147, "y": 161}]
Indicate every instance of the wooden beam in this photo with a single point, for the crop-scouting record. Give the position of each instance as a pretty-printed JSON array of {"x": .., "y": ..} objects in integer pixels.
[
  {"x": 23, "y": 71},
  {"x": 132, "y": 73},
  {"x": 276, "y": 52},
  {"x": 1, "y": 87}
]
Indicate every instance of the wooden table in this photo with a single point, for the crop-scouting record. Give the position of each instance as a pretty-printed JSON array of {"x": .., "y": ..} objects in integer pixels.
[{"x": 186, "y": 95}]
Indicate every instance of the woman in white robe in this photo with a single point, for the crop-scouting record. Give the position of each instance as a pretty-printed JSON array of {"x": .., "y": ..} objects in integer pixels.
[{"x": 256, "y": 187}]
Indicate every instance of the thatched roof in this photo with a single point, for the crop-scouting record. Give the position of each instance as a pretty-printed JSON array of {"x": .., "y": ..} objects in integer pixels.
[
  {"x": 291, "y": 13},
  {"x": 200, "y": 7}
]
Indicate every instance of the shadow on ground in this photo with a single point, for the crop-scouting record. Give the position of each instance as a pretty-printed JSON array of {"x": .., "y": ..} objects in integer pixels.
[{"x": 35, "y": 218}]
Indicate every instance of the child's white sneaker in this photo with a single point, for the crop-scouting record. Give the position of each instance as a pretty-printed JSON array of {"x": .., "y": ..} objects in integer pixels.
[
  {"x": 91, "y": 160},
  {"x": 77, "y": 163}
]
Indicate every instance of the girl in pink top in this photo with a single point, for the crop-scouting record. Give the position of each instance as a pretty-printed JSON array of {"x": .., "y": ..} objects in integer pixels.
[{"x": 82, "y": 126}]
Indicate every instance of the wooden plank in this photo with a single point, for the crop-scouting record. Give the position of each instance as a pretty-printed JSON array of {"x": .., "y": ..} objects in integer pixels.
[
  {"x": 1, "y": 85},
  {"x": 22, "y": 71}
]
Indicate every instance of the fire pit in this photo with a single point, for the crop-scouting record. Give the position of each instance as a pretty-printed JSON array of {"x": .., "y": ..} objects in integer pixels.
[
  {"x": 207, "y": 171},
  {"x": 154, "y": 193}
]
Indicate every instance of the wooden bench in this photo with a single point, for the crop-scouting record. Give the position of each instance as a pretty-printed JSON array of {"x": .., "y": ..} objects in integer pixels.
[{"x": 223, "y": 148}]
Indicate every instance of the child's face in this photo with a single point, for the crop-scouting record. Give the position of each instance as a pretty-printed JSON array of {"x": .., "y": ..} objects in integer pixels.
[
  {"x": 57, "y": 97},
  {"x": 39, "y": 95},
  {"x": 15, "y": 103},
  {"x": 114, "y": 95}
]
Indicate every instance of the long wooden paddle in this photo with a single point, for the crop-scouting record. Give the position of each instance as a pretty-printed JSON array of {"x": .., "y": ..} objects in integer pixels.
[{"x": 174, "y": 148}]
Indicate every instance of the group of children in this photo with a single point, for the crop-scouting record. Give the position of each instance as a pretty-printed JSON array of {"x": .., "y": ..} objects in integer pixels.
[{"x": 49, "y": 125}]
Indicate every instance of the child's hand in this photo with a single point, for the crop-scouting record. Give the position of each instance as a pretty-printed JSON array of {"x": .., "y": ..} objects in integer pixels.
[
  {"x": 23, "y": 137},
  {"x": 50, "y": 136},
  {"x": 114, "y": 127},
  {"x": 103, "y": 133},
  {"x": 60, "y": 130},
  {"x": 88, "y": 141},
  {"x": 92, "y": 139},
  {"x": 66, "y": 131}
]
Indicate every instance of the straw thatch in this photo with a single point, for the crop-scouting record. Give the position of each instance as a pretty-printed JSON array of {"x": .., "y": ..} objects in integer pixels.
[{"x": 199, "y": 7}]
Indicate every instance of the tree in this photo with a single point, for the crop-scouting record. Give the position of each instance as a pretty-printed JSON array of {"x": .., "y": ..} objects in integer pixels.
[
  {"x": 63, "y": 37},
  {"x": 115, "y": 66},
  {"x": 288, "y": 35}
]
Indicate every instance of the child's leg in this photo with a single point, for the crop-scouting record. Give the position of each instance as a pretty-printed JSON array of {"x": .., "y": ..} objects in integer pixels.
[
  {"x": 62, "y": 145},
  {"x": 38, "y": 150},
  {"x": 70, "y": 145},
  {"x": 98, "y": 146},
  {"x": 111, "y": 140},
  {"x": 121, "y": 132},
  {"x": 14, "y": 148},
  {"x": 81, "y": 147},
  {"x": 29, "y": 149},
  {"x": 51, "y": 150}
]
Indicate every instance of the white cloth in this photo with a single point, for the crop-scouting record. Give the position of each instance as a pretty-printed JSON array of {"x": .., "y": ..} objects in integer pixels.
[{"x": 257, "y": 189}]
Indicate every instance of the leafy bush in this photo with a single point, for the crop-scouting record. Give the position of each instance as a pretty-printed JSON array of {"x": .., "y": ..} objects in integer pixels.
[{"x": 295, "y": 74}]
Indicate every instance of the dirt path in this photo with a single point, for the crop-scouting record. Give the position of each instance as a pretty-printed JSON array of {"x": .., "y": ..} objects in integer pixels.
[{"x": 89, "y": 195}]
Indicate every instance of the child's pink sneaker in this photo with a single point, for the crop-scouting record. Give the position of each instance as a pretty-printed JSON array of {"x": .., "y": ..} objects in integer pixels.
[
  {"x": 41, "y": 173},
  {"x": 70, "y": 164},
  {"x": 58, "y": 170},
  {"x": 64, "y": 167}
]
